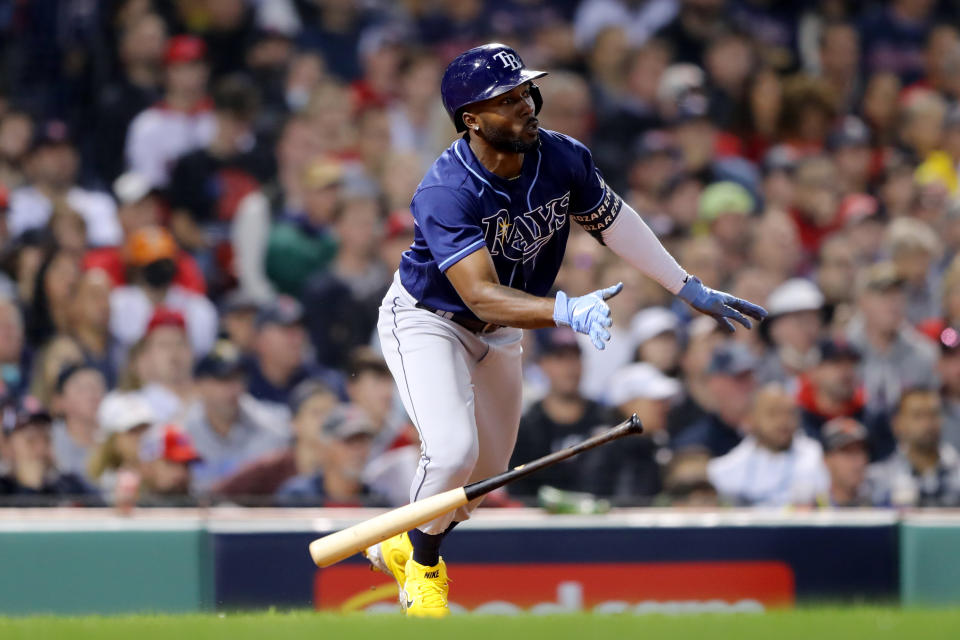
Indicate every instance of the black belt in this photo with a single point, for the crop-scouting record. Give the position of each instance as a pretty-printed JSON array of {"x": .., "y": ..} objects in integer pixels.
[{"x": 470, "y": 324}]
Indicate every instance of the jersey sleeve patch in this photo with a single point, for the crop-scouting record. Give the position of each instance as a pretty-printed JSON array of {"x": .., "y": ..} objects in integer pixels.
[{"x": 599, "y": 217}]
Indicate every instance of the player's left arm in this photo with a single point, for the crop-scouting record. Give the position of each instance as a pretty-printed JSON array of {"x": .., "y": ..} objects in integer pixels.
[{"x": 629, "y": 237}]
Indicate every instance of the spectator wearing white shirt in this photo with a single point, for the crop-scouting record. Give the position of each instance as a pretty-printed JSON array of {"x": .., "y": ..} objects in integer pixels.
[
  {"x": 151, "y": 254},
  {"x": 776, "y": 464},
  {"x": 51, "y": 168},
  {"x": 180, "y": 123}
]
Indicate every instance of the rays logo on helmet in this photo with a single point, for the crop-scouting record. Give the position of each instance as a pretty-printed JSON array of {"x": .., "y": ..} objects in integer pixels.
[{"x": 509, "y": 60}]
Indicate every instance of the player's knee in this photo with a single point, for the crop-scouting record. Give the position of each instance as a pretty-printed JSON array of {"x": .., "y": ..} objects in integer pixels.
[{"x": 459, "y": 461}]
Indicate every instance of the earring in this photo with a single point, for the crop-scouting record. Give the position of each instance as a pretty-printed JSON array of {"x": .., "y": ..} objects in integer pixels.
[{"x": 476, "y": 127}]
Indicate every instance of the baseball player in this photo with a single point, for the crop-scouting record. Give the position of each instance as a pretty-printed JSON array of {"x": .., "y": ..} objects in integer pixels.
[{"x": 492, "y": 218}]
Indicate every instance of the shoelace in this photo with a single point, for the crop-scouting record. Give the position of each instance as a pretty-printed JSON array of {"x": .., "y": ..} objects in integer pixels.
[{"x": 431, "y": 593}]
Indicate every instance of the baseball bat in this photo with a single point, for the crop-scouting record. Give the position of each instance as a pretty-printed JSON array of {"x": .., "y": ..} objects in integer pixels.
[{"x": 342, "y": 544}]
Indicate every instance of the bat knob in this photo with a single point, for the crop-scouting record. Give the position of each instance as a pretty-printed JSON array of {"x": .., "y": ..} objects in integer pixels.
[{"x": 635, "y": 425}]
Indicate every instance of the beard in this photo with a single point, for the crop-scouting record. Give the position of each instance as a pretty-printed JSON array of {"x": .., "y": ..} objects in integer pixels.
[{"x": 505, "y": 142}]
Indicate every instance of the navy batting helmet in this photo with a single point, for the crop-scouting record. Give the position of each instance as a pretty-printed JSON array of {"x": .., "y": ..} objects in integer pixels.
[{"x": 484, "y": 72}]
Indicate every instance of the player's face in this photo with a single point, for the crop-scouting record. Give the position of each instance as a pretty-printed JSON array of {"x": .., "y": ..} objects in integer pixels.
[{"x": 508, "y": 122}]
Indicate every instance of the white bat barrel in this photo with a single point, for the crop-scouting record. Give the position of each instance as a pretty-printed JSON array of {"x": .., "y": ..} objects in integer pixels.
[{"x": 335, "y": 547}]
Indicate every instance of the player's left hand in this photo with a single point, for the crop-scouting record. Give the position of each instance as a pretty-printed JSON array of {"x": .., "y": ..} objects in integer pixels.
[
  {"x": 722, "y": 306},
  {"x": 587, "y": 314}
]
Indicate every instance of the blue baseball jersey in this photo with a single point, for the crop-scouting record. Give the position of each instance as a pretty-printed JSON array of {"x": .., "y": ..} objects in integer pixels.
[{"x": 460, "y": 207}]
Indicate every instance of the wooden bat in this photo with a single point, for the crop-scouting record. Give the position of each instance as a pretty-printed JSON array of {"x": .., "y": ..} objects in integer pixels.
[{"x": 342, "y": 544}]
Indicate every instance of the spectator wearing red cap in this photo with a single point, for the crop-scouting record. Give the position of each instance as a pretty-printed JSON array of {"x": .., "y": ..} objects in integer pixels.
[
  {"x": 152, "y": 253},
  {"x": 164, "y": 365},
  {"x": 181, "y": 122},
  {"x": 167, "y": 458}
]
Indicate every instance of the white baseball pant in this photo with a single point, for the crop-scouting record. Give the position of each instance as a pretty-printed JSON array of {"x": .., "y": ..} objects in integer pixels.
[{"x": 462, "y": 391}]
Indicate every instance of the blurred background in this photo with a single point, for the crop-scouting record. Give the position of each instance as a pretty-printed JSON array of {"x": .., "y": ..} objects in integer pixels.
[{"x": 203, "y": 202}]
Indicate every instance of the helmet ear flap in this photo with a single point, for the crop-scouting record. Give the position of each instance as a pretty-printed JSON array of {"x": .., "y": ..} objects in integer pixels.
[{"x": 537, "y": 98}]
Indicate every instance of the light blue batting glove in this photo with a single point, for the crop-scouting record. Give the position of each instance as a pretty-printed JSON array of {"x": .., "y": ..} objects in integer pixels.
[
  {"x": 720, "y": 305},
  {"x": 587, "y": 314}
]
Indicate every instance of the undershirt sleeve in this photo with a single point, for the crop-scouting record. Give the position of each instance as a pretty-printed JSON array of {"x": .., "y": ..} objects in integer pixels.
[{"x": 629, "y": 237}]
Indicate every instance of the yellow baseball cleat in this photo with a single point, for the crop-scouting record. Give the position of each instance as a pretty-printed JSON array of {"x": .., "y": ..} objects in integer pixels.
[
  {"x": 390, "y": 557},
  {"x": 425, "y": 590}
]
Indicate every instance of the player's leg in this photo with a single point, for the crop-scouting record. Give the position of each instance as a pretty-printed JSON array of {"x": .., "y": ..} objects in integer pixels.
[
  {"x": 428, "y": 358},
  {"x": 498, "y": 386}
]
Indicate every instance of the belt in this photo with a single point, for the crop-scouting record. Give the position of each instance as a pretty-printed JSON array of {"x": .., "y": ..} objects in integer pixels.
[{"x": 470, "y": 324}]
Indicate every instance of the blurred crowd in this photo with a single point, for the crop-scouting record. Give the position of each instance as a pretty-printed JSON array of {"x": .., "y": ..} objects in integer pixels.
[{"x": 202, "y": 204}]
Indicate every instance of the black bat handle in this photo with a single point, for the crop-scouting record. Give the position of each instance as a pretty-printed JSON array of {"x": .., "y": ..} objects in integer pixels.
[{"x": 482, "y": 487}]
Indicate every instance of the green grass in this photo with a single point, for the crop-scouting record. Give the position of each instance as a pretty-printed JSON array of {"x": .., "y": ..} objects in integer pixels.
[{"x": 802, "y": 624}]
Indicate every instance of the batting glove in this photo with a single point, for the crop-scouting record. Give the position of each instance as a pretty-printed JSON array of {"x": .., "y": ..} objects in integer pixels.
[
  {"x": 587, "y": 314},
  {"x": 720, "y": 305}
]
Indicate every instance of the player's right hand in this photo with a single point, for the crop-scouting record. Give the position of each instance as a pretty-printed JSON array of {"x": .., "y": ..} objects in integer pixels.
[{"x": 587, "y": 314}]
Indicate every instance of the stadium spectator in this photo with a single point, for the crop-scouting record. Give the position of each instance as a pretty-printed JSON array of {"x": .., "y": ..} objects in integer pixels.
[
  {"x": 793, "y": 325},
  {"x": 724, "y": 211},
  {"x": 14, "y": 363},
  {"x": 79, "y": 391},
  {"x": 208, "y": 184},
  {"x": 310, "y": 404},
  {"x": 369, "y": 389},
  {"x": 776, "y": 464},
  {"x": 655, "y": 331},
  {"x": 52, "y": 168},
  {"x": 923, "y": 471},
  {"x": 123, "y": 418},
  {"x": 894, "y": 37},
  {"x": 563, "y": 417},
  {"x": 140, "y": 50},
  {"x": 634, "y": 470},
  {"x": 229, "y": 427},
  {"x": 686, "y": 483},
  {"x": 168, "y": 460},
  {"x": 849, "y": 146},
  {"x": 161, "y": 366},
  {"x": 948, "y": 369},
  {"x": 703, "y": 337},
  {"x": 90, "y": 324},
  {"x": 342, "y": 447},
  {"x": 238, "y": 315},
  {"x": 16, "y": 133},
  {"x": 846, "y": 457},
  {"x": 775, "y": 248},
  {"x": 816, "y": 202},
  {"x": 57, "y": 354},
  {"x": 181, "y": 122},
  {"x": 913, "y": 248},
  {"x": 152, "y": 254},
  {"x": 895, "y": 356},
  {"x": 279, "y": 362},
  {"x": 839, "y": 63},
  {"x": 302, "y": 244},
  {"x": 32, "y": 479},
  {"x": 138, "y": 207},
  {"x": 730, "y": 386},
  {"x": 53, "y": 286},
  {"x": 341, "y": 302}
]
